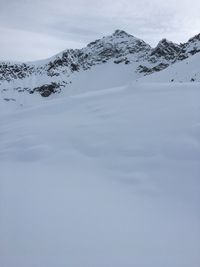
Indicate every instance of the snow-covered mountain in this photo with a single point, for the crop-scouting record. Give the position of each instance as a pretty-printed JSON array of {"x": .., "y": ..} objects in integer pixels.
[
  {"x": 187, "y": 70},
  {"x": 106, "y": 172},
  {"x": 111, "y": 52}
]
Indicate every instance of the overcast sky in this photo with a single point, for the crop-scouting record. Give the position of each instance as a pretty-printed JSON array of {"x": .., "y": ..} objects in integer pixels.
[{"x": 36, "y": 29}]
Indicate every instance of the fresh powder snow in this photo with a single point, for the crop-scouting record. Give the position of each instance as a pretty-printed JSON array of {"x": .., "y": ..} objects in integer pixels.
[{"x": 102, "y": 178}]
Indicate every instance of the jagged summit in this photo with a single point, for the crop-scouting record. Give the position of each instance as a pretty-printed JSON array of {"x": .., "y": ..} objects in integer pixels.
[
  {"x": 165, "y": 42},
  {"x": 121, "y": 33},
  {"x": 117, "y": 37},
  {"x": 195, "y": 38},
  {"x": 192, "y": 46},
  {"x": 166, "y": 49}
]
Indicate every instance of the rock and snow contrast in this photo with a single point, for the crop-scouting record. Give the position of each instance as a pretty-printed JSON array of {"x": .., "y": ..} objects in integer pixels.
[
  {"x": 57, "y": 73},
  {"x": 103, "y": 172}
]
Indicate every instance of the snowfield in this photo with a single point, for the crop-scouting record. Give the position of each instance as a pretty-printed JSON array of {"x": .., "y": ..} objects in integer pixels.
[{"x": 106, "y": 178}]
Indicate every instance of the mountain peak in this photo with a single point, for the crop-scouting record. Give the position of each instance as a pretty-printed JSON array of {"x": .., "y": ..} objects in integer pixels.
[
  {"x": 165, "y": 42},
  {"x": 120, "y": 33},
  {"x": 195, "y": 38},
  {"x": 118, "y": 48},
  {"x": 193, "y": 45},
  {"x": 166, "y": 49}
]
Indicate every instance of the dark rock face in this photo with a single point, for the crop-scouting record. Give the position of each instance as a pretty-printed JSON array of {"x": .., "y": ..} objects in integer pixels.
[
  {"x": 10, "y": 71},
  {"x": 47, "y": 89},
  {"x": 166, "y": 49},
  {"x": 146, "y": 70}
]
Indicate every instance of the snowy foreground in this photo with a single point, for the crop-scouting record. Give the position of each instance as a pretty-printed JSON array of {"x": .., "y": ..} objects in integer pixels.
[{"x": 107, "y": 178}]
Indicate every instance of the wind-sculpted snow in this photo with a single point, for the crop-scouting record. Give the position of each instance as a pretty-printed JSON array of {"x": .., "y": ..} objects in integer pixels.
[{"x": 102, "y": 178}]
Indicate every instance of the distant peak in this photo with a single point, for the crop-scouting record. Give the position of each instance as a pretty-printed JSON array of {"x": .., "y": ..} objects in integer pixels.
[
  {"x": 120, "y": 33},
  {"x": 164, "y": 41},
  {"x": 166, "y": 49},
  {"x": 195, "y": 38}
]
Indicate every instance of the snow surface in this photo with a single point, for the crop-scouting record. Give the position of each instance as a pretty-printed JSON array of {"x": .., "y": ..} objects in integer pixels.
[{"x": 101, "y": 178}]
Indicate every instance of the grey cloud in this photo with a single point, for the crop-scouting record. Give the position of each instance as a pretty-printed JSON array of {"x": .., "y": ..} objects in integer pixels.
[{"x": 46, "y": 26}]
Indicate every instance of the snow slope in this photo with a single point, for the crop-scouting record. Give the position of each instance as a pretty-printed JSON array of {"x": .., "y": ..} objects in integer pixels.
[
  {"x": 187, "y": 70},
  {"x": 106, "y": 178},
  {"x": 99, "y": 77}
]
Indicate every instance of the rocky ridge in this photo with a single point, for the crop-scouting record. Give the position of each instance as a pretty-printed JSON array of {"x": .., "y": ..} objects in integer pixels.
[{"x": 120, "y": 48}]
